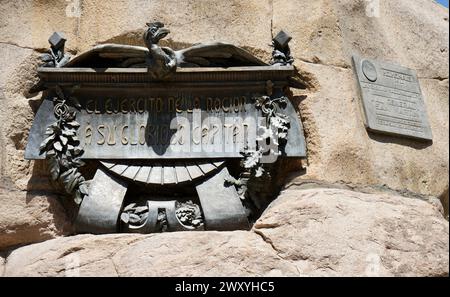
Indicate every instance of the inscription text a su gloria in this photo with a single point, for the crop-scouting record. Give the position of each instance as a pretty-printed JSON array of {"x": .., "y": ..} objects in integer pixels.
[{"x": 160, "y": 134}]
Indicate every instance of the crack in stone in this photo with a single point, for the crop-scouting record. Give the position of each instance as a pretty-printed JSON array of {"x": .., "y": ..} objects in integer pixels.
[
  {"x": 346, "y": 67},
  {"x": 106, "y": 257},
  {"x": 267, "y": 225},
  {"x": 278, "y": 251},
  {"x": 366, "y": 189},
  {"x": 271, "y": 18},
  {"x": 70, "y": 251},
  {"x": 439, "y": 78},
  {"x": 109, "y": 257},
  {"x": 40, "y": 50},
  {"x": 115, "y": 266},
  {"x": 269, "y": 241}
]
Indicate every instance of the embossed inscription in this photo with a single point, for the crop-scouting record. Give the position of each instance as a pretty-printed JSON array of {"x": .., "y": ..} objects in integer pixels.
[
  {"x": 167, "y": 126},
  {"x": 159, "y": 105},
  {"x": 392, "y": 99},
  {"x": 395, "y": 108}
]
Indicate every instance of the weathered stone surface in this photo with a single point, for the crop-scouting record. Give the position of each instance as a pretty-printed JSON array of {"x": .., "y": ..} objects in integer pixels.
[
  {"x": 314, "y": 232},
  {"x": 27, "y": 218},
  {"x": 92, "y": 22},
  {"x": 169, "y": 254},
  {"x": 330, "y": 32},
  {"x": 341, "y": 150},
  {"x": 16, "y": 115},
  {"x": 397, "y": 34},
  {"x": 325, "y": 36},
  {"x": 340, "y": 232}
]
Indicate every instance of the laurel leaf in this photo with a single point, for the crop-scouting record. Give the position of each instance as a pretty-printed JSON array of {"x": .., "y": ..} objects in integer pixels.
[
  {"x": 54, "y": 168},
  {"x": 77, "y": 151},
  {"x": 84, "y": 188},
  {"x": 50, "y": 153},
  {"x": 140, "y": 209},
  {"x": 125, "y": 217},
  {"x": 68, "y": 132},
  {"x": 252, "y": 159},
  {"x": 134, "y": 218},
  {"x": 75, "y": 102},
  {"x": 129, "y": 207},
  {"x": 78, "y": 197},
  {"x": 46, "y": 142},
  {"x": 78, "y": 162},
  {"x": 74, "y": 124},
  {"x": 57, "y": 145},
  {"x": 63, "y": 139},
  {"x": 259, "y": 171},
  {"x": 49, "y": 131}
]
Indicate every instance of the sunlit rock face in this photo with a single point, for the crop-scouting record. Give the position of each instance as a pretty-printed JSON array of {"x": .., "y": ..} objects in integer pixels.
[
  {"x": 305, "y": 232},
  {"x": 341, "y": 152}
]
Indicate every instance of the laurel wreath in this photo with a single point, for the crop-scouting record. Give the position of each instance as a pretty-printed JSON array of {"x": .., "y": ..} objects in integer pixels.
[
  {"x": 62, "y": 150},
  {"x": 275, "y": 131}
]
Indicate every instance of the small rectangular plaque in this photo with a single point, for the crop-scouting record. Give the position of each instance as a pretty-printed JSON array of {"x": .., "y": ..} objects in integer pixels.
[{"x": 392, "y": 100}]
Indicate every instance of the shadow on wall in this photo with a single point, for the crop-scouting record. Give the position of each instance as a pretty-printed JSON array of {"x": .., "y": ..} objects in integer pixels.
[
  {"x": 2, "y": 155},
  {"x": 2, "y": 144},
  {"x": 307, "y": 83},
  {"x": 444, "y": 201},
  {"x": 413, "y": 143}
]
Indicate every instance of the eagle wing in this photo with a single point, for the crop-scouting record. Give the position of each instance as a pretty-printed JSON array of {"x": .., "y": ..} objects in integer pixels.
[
  {"x": 216, "y": 54},
  {"x": 111, "y": 55}
]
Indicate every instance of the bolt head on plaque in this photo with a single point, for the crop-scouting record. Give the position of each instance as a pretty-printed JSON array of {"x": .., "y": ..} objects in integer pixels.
[{"x": 369, "y": 70}]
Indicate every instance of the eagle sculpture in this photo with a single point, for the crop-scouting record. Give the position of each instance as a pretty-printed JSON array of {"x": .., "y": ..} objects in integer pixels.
[{"x": 164, "y": 59}]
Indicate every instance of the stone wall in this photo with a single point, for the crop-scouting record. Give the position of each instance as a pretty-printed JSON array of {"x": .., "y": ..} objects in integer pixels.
[
  {"x": 305, "y": 232},
  {"x": 325, "y": 35}
]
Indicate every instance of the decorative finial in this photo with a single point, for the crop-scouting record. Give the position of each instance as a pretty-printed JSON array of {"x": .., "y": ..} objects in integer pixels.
[
  {"x": 56, "y": 56},
  {"x": 281, "y": 55}
]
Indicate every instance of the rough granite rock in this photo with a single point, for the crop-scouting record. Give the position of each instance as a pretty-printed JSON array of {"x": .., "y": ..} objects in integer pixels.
[
  {"x": 30, "y": 217},
  {"x": 325, "y": 35},
  {"x": 339, "y": 232},
  {"x": 315, "y": 232}
]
